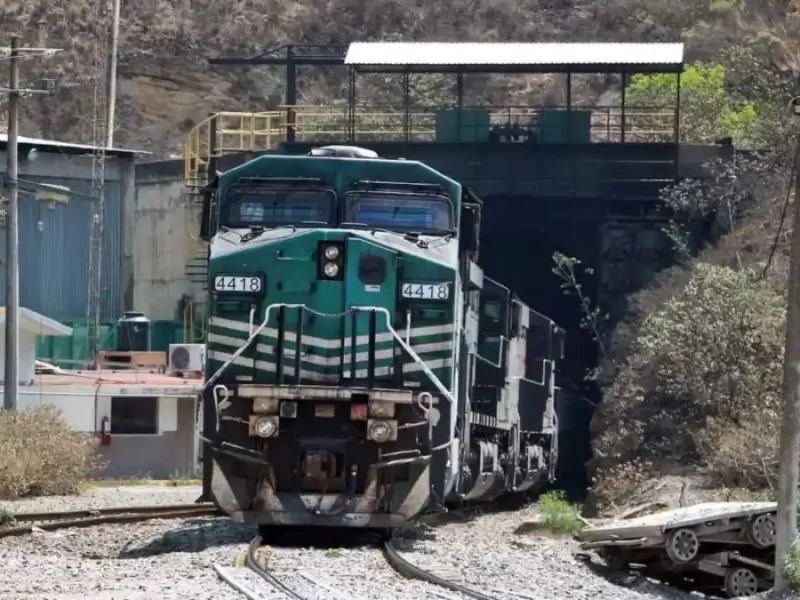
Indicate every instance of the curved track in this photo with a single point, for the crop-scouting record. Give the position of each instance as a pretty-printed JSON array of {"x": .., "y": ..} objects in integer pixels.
[
  {"x": 51, "y": 521},
  {"x": 407, "y": 569},
  {"x": 261, "y": 570}
]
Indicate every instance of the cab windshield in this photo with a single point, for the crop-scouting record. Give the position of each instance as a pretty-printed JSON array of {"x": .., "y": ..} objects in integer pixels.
[
  {"x": 423, "y": 213},
  {"x": 270, "y": 206}
]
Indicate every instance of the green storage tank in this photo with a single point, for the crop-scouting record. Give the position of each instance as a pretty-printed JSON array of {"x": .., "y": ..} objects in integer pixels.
[
  {"x": 474, "y": 125},
  {"x": 565, "y": 126}
]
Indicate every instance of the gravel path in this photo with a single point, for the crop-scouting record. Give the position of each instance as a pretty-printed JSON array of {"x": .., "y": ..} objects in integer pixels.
[
  {"x": 173, "y": 560},
  {"x": 485, "y": 554}
]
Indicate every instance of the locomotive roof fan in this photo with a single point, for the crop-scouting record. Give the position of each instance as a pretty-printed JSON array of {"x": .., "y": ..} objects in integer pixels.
[{"x": 343, "y": 152}]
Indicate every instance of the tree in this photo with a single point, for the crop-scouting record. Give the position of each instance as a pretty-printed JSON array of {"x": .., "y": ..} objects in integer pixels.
[
  {"x": 701, "y": 384},
  {"x": 707, "y": 112}
]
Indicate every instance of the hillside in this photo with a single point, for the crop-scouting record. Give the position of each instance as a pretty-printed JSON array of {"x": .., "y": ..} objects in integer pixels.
[{"x": 165, "y": 85}]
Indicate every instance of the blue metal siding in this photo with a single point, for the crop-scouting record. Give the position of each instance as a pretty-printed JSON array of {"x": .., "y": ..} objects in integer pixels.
[{"x": 54, "y": 261}]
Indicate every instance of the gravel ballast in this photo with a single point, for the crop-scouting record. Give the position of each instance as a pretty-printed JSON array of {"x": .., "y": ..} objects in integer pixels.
[
  {"x": 486, "y": 554},
  {"x": 174, "y": 560}
]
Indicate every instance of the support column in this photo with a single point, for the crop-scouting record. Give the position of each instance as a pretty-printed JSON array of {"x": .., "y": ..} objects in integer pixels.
[{"x": 127, "y": 202}]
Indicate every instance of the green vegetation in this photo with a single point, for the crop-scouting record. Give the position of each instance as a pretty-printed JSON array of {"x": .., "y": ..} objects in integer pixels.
[
  {"x": 707, "y": 111},
  {"x": 792, "y": 564},
  {"x": 41, "y": 454},
  {"x": 6, "y": 518},
  {"x": 559, "y": 516},
  {"x": 691, "y": 366},
  {"x": 685, "y": 393}
]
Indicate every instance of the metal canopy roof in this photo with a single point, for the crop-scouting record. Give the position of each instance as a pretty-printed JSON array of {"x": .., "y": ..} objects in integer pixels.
[
  {"x": 54, "y": 146},
  {"x": 458, "y": 57}
]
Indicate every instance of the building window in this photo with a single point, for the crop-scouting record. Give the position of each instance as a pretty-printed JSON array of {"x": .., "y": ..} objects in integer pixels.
[{"x": 134, "y": 415}]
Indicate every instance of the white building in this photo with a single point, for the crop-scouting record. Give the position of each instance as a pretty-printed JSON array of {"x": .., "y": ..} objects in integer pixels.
[{"x": 152, "y": 416}]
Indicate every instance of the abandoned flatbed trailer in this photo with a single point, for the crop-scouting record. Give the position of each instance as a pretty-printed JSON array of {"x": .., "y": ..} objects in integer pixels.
[{"x": 726, "y": 546}]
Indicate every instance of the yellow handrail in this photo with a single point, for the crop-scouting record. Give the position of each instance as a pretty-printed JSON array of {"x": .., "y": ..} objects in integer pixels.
[{"x": 238, "y": 132}]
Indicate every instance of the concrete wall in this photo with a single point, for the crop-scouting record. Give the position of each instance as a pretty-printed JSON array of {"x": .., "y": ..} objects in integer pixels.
[
  {"x": 164, "y": 233},
  {"x": 173, "y": 450},
  {"x": 26, "y": 354}
]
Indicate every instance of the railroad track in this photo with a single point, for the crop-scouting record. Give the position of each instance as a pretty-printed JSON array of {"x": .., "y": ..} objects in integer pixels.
[
  {"x": 282, "y": 584},
  {"x": 25, "y": 523},
  {"x": 286, "y": 583},
  {"x": 296, "y": 584},
  {"x": 412, "y": 571}
]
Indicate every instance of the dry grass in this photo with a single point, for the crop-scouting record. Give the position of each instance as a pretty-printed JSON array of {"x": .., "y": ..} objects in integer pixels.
[
  {"x": 142, "y": 481},
  {"x": 41, "y": 455},
  {"x": 165, "y": 84}
]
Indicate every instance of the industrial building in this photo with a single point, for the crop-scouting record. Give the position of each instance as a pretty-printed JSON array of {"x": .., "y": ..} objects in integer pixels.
[
  {"x": 54, "y": 237},
  {"x": 149, "y": 418}
]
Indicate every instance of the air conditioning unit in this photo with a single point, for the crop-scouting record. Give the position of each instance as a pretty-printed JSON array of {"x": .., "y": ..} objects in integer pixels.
[{"x": 187, "y": 358}]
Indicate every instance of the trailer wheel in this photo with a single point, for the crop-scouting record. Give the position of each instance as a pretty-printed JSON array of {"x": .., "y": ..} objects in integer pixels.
[
  {"x": 682, "y": 545},
  {"x": 740, "y": 581},
  {"x": 761, "y": 531}
]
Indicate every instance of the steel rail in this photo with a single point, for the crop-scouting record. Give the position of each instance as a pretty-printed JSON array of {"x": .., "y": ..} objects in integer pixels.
[
  {"x": 117, "y": 510},
  {"x": 64, "y": 520},
  {"x": 411, "y": 571},
  {"x": 252, "y": 564}
]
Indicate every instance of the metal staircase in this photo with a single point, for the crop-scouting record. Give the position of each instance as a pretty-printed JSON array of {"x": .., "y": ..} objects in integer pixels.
[
  {"x": 218, "y": 135},
  {"x": 197, "y": 268}
]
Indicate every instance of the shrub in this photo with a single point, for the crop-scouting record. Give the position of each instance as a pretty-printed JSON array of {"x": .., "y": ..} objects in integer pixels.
[
  {"x": 558, "y": 514},
  {"x": 791, "y": 565},
  {"x": 701, "y": 384},
  {"x": 41, "y": 455}
]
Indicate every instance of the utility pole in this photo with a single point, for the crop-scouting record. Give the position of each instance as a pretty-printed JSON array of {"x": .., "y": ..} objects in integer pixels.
[
  {"x": 11, "y": 379},
  {"x": 786, "y": 516},
  {"x": 112, "y": 77},
  {"x": 11, "y": 375}
]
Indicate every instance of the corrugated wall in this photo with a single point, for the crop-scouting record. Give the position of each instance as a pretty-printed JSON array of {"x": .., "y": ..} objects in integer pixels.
[{"x": 54, "y": 253}]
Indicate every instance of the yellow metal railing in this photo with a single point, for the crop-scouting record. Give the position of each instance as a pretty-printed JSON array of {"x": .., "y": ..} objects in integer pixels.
[
  {"x": 227, "y": 133},
  {"x": 236, "y": 132}
]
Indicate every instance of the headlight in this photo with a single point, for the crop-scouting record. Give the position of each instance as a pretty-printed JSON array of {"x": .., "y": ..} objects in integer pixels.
[
  {"x": 331, "y": 252},
  {"x": 379, "y": 431},
  {"x": 331, "y": 269},
  {"x": 266, "y": 427}
]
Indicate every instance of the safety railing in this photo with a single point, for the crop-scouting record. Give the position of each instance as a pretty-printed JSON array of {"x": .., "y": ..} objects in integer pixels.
[
  {"x": 239, "y": 132},
  {"x": 229, "y": 133},
  {"x": 482, "y": 123}
]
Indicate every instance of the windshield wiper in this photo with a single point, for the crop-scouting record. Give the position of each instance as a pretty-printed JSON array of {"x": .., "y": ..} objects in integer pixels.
[
  {"x": 409, "y": 235},
  {"x": 257, "y": 230}
]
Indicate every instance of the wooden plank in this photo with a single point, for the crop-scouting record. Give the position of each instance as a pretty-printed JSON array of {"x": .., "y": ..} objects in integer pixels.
[{"x": 132, "y": 359}]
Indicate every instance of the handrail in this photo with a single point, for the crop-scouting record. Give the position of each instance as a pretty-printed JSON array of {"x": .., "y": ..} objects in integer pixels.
[
  {"x": 378, "y": 309},
  {"x": 264, "y": 131}
]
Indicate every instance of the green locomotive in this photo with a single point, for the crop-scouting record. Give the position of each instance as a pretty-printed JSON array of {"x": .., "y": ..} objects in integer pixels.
[{"x": 360, "y": 367}]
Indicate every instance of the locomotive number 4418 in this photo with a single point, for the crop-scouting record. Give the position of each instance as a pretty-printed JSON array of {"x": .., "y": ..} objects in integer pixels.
[
  {"x": 425, "y": 291},
  {"x": 242, "y": 284}
]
